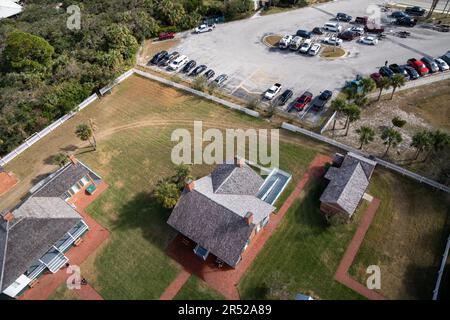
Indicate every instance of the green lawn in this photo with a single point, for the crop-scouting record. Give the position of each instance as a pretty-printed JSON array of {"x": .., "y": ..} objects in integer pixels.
[
  {"x": 196, "y": 289},
  {"x": 302, "y": 256}
]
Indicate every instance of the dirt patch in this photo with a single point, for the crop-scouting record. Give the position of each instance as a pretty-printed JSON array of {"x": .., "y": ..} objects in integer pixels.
[
  {"x": 272, "y": 40},
  {"x": 330, "y": 52},
  {"x": 7, "y": 182},
  {"x": 151, "y": 47}
]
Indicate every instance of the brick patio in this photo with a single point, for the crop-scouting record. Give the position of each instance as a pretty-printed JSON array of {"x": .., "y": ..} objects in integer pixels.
[
  {"x": 96, "y": 235},
  {"x": 226, "y": 279},
  {"x": 7, "y": 182}
]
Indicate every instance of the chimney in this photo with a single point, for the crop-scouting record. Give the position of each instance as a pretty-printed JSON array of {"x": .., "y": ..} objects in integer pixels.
[
  {"x": 249, "y": 218},
  {"x": 8, "y": 216},
  {"x": 73, "y": 159},
  {"x": 239, "y": 162},
  {"x": 190, "y": 185}
]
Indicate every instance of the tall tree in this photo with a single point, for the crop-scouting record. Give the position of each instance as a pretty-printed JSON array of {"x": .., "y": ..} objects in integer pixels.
[
  {"x": 353, "y": 113},
  {"x": 391, "y": 138},
  {"x": 337, "y": 105},
  {"x": 397, "y": 81},
  {"x": 166, "y": 194},
  {"x": 439, "y": 141},
  {"x": 84, "y": 133},
  {"x": 367, "y": 85},
  {"x": 383, "y": 84},
  {"x": 366, "y": 135},
  {"x": 182, "y": 174},
  {"x": 422, "y": 141}
]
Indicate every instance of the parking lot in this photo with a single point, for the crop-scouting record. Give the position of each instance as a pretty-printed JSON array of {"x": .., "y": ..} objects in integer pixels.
[{"x": 236, "y": 49}]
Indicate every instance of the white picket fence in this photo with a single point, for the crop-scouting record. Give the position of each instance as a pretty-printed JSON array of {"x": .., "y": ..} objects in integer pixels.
[
  {"x": 39, "y": 135},
  {"x": 114, "y": 83},
  {"x": 441, "y": 270}
]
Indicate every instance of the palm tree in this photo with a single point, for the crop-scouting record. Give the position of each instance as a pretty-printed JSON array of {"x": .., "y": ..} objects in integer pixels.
[
  {"x": 353, "y": 113},
  {"x": 84, "y": 132},
  {"x": 439, "y": 141},
  {"x": 383, "y": 83},
  {"x": 391, "y": 138},
  {"x": 366, "y": 135},
  {"x": 422, "y": 141},
  {"x": 397, "y": 81},
  {"x": 367, "y": 85},
  {"x": 337, "y": 105}
]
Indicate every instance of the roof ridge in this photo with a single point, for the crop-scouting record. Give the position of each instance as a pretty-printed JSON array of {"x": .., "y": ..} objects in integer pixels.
[
  {"x": 357, "y": 165},
  {"x": 224, "y": 180},
  {"x": 2, "y": 267}
]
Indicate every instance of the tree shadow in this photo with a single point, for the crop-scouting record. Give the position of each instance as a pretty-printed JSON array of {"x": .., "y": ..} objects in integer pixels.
[
  {"x": 69, "y": 148},
  {"x": 145, "y": 213}
]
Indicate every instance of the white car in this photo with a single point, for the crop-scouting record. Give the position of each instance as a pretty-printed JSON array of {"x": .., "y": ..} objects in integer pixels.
[
  {"x": 335, "y": 41},
  {"x": 369, "y": 40},
  {"x": 285, "y": 42},
  {"x": 358, "y": 30},
  {"x": 305, "y": 46},
  {"x": 204, "y": 28},
  {"x": 273, "y": 91},
  {"x": 179, "y": 62},
  {"x": 443, "y": 66},
  {"x": 314, "y": 50}
]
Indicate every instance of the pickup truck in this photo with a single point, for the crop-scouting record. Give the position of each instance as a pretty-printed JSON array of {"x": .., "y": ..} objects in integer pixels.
[
  {"x": 204, "y": 28},
  {"x": 273, "y": 91}
]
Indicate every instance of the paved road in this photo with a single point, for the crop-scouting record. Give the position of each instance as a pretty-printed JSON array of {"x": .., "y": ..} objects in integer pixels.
[{"x": 236, "y": 49}]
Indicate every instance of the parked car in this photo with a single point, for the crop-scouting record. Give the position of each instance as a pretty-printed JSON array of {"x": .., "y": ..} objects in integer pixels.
[
  {"x": 272, "y": 91},
  {"x": 305, "y": 46},
  {"x": 301, "y": 102},
  {"x": 285, "y": 42},
  {"x": 386, "y": 72},
  {"x": 221, "y": 79},
  {"x": 413, "y": 75},
  {"x": 430, "y": 64},
  {"x": 198, "y": 70},
  {"x": 406, "y": 22},
  {"x": 284, "y": 97},
  {"x": 343, "y": 17},
  {"x": 370, "y": 40},
  {"x": 415, "y": 11},
  {"x": 205, "y": 28},
  {"x": 321, "y": 100},
  {"x": 189, "y": 66},
  {"x": 158, "y": 57},
  {"x": 418, "y": 65},
  {"x": 399, "y": 69},
  {"x": 348, "y": 35},
  {"x": 361, "y": 20},
  {"x": 376, "y": 77},
  {"x": 317, "y": 30},
  {"x": 209, "y": 74},
  {"x": 357, "y": 30},
  {"x": 443, "y": 66},
  {"x": 314, "y": 50},
  {"x": 295, "y": 43},
  {"x": 304, "y": 34},
  {"x": 399, "y": 14},
  {"x": 177, "y": 63},
  {"x": 168, "y": 59},
  {"x": 332, "y": 27},
  {"x": 335, "y": 41},
  {"x": 373, "y": 28},
  {"x": 446, "y": 58},
  {"x": 166, "y": 36}
]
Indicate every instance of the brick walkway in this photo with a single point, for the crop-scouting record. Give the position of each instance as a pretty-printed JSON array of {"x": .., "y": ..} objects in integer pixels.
[
  {"x": 342, "y": 275},
  {"x": 225, "y": 280},
  {"x": 96, "y": 235},
  {"x": 7, "y": 182},
  {"x": 172, "y": 290}
]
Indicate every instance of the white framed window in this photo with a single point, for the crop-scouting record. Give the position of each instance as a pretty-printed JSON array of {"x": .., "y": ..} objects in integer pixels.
[
  {"x": 258, "y": 228},
  {"x": 85, "y": 180},
  {"x": 75, "y": 188}
]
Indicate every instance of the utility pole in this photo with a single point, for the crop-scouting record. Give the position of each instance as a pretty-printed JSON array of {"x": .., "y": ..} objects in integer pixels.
[{"x": 433, "y": 6}]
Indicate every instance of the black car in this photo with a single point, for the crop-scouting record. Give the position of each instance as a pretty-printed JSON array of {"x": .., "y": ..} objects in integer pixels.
[
  {"x": 209, "y": 74},
  {"x": 322, "y": 100},
  {"x": 398, "y": 14},
  {"x": 406, "y": 21},
  {"x": 221, "y": 79},
  {"x": 317, "y": 30},
  {"x": 386, "y": 72},
  {"x": 158, "y": 57},
  {"x": 343, "y": 17},
  {"x": 198, "y": 70},
  {"x": 189, "y": 66},
  {"x": 284, "y": 97},
  {"x": 399, "y": 69},
  {"x": 304, "y": 34},
  {"x": 413, "y": 74},
  {"x": 168, "y": 58},
  {"x": 415, "y": 11},
  {"x": 348, "y": 35}
]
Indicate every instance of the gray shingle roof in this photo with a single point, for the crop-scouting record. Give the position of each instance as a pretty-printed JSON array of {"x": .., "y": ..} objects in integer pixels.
[
  {"x": 38, "y": 223},
  {"x": 348, "y": 183},
  {"x": 213, "y": 213}
]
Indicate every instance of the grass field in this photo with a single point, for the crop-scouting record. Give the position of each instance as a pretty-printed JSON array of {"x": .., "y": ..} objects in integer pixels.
[
  {"x": 196, "y": 289},
  {"x": 134, "y": 126},
  {"x": 406, "y": 239}
]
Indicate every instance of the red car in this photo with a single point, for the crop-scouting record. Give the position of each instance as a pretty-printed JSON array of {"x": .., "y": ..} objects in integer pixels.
[
  {"x": 301, "y": 102},
  {"x": 376, "y": 77},
  {"x": 419, "y": 66},
  {"x": 166, "y": 35}
]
